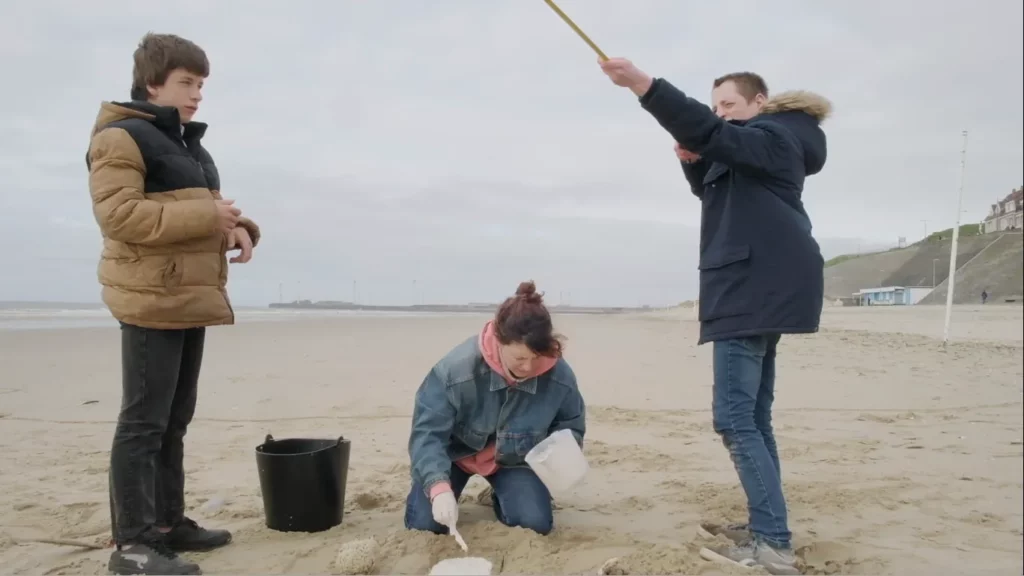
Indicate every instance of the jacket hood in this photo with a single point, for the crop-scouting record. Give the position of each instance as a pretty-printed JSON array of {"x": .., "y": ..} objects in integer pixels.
[
  {"x": 803, "y": 113},
  {"x": 817, "y": 106}
]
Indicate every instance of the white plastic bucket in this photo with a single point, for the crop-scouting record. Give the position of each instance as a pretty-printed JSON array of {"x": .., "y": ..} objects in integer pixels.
[
  {"x": 468, "y": 566},
  {"x": 558, "y": 462}
]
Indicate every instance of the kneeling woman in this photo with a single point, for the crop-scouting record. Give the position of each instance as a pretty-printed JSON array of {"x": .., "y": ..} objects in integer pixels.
[{"x": 482, "y": 408}]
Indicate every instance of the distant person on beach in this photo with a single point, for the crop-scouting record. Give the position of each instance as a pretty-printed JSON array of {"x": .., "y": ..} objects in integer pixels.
[
  {"x": 761, "y": 271},
  {"x": 481, "y": 408},
  {"x": 166, "y": 230},
  {"x": 984, "y": 296}
]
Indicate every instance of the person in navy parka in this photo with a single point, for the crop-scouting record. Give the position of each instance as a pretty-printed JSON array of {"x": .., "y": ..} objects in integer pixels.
[{"x": 761, "y": 270}]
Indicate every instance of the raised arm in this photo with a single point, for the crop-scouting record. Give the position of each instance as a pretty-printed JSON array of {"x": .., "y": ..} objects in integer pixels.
[
  {"x": 761, "y": 146},
  {"x": 433, "y": 418}
]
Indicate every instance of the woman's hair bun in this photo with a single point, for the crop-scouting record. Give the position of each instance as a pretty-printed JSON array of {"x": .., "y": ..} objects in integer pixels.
[
  {"x": 528, "y": 292},
  {"x": 523, "y": 318}
]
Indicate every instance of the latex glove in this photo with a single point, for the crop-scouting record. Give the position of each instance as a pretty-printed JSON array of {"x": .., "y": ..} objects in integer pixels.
[{"x": 445, "y": 509}]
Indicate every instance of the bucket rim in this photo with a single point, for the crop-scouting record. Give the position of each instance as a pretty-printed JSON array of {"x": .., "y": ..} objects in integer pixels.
[{"x": 339, "y": 441}]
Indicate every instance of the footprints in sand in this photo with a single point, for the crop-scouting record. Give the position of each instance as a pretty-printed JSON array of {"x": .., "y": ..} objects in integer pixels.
[
  {"x": 982, "y": 519},
  {"x": 834, "y": 558},
  {"x": 377, "y": 500},
  {"x": 80, "y": 566},
  {"x": 886, "y": 418},
  {"x": 836, "y": 452},
  {"x": 648, "y": 468},
  {"x": 370, "y": 501},
  {"x": 6, "y": 541},
  {"x": 811, "y": 500},
  {"x": 630, "y": 457},
  {"x": 79, "y": 515},
  {"x": 73, "y": 521},
  {"x": 381, "y": 490},
  {"x": 818, "y": 558}
]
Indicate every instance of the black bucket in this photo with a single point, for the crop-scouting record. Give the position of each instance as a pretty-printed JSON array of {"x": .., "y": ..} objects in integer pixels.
[{"x": 303, "y": 482}]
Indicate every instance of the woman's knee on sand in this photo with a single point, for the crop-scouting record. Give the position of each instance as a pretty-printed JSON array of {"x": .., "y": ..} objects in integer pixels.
[{"x": 519, "y": 499}]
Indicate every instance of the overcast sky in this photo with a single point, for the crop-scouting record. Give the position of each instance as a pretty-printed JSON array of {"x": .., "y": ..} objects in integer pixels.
[{"x": 443, "y": 151}]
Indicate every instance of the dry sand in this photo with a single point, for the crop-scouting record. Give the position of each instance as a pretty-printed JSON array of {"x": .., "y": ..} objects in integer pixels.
[{"x": 899, "y": 457}]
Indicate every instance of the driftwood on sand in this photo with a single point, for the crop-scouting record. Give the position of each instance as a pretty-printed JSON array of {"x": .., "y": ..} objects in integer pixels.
[{"x": 61, "y": 542}]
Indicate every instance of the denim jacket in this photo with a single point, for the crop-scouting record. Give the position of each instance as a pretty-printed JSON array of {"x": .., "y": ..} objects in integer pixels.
[{"x": 462, "y": 405}]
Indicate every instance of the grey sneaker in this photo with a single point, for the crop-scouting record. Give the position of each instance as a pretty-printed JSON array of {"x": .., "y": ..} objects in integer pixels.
[
  {"x": 738, "y": 533},
  {"x": 149, "y": 558},
  {"x": 753, "y": 553}
]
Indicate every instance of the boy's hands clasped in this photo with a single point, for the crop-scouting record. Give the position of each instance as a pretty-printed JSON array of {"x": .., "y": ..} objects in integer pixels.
[
  {"x": 227, "y": 215},
  {"x": 238, "y": 237}
]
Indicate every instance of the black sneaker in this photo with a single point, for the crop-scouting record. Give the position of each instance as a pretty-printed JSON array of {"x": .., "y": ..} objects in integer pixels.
[
  {"x": 149, "y": 557},
  {"x": 187, "y": 536}
]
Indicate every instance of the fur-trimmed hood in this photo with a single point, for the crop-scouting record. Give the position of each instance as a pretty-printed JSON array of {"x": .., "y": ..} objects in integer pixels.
[
  {"x": 816, "y": 105},
  {"x": 802, "y": 112}
]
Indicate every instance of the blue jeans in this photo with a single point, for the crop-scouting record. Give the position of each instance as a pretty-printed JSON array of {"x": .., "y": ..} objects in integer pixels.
[
  {"x": 744, "y": 390},
  {"x": 520, "y": 499}
]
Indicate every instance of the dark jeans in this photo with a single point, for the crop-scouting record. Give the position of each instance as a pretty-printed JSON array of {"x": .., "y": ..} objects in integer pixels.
[
  {"x": 520, "y": 499},
  {"x": 159, "y": 376},
  {"x": 742, "y": 410}
]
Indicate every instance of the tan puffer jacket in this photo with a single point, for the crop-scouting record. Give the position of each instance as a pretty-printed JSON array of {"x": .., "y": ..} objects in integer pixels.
[{"x": 153, "y": 187}]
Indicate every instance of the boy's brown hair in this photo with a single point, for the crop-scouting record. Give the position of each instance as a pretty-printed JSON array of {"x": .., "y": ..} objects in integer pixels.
[
  {"x": 158, "y": 55},
  {"x": 748, "y": 84}
]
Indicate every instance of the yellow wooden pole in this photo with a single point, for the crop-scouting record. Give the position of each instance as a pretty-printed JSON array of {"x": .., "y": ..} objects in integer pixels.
[{"x": 576, "y": 28}]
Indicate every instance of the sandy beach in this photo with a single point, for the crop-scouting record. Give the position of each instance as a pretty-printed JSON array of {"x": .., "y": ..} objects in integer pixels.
[{"x": 899, "y": 456}]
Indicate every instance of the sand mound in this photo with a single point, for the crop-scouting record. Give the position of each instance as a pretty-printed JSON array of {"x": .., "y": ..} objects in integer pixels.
[
  {"x": 357, "y": 557},
  {"x": 613, "y": 567}
]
